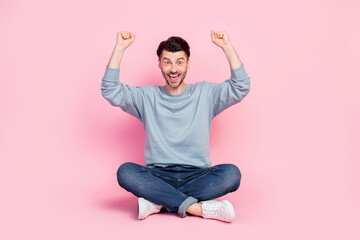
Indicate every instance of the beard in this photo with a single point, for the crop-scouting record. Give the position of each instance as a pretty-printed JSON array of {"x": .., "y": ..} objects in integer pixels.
[{"x": 178, "y": 82}]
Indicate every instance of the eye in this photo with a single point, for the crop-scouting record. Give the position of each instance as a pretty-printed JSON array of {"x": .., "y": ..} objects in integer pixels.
[
  {"x": 179, "y": 62},
  {"x": 167, "y": 62}
]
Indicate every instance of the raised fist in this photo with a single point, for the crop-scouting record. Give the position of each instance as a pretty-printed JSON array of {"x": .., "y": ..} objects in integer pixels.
[
  {"x": 220, "y": 39},
  {"x": 125, "y": 39}
]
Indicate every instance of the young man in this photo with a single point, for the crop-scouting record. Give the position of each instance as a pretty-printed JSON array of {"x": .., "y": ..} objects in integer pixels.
[{"x": 177, "y": 119}]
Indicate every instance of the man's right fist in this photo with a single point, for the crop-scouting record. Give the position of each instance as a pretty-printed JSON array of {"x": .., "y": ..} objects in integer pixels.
[{"x": 125, "y": 39}]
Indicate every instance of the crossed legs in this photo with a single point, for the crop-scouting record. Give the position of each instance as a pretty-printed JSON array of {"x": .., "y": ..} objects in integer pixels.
[{"x": 177, "y": 188}]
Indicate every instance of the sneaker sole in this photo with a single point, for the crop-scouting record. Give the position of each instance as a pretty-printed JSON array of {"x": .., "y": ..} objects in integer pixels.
[
  {"x": 141, "y": 209},
  {"x": 231, "y": 209}
]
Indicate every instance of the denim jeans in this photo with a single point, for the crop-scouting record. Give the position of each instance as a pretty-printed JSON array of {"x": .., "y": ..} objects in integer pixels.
[{"x": 176, "y": 187}]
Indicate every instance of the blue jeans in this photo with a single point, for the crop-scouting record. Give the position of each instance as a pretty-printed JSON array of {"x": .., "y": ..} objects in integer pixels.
[{"x": 177, "y": 187}]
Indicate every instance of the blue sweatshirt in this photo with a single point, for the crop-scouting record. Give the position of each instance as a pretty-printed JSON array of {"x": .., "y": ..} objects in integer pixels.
[{"x": 177, "y": 127}]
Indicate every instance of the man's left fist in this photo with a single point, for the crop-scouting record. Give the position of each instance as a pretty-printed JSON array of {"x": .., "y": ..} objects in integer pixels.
[{"x": 220, "y": 39}]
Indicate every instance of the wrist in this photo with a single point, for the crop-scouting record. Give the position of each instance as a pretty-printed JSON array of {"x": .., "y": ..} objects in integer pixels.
[
  {"x": 227, "y": 47},
  {"x": 119, "y": 48}
]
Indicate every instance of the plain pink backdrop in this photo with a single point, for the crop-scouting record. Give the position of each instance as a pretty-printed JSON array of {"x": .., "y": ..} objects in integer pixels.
[{"x": 295, "y": 137}]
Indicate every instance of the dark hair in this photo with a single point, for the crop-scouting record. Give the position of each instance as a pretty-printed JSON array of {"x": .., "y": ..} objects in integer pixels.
[{"x": 174, "y": 44}]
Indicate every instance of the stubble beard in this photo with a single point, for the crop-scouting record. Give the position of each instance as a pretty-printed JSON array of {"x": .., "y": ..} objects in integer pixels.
[{"x": 183, "y": 75}]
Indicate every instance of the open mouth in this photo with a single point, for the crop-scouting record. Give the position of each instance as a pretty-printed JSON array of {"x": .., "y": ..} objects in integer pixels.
[{"x": 173, "y": 77}]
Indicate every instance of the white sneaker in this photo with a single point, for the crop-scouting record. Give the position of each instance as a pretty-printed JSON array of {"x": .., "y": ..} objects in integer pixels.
[
  {"x": 221, "y": 210},
  {"x": 145, "y": 208}
]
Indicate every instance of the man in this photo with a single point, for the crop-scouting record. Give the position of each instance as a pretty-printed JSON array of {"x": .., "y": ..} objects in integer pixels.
[{"x": 177, "y": 119}]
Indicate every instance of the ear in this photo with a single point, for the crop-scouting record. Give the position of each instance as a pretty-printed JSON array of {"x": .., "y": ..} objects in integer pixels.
[
  {"x": 159, "y": 63},
  {"x": 188, "y": 63}
]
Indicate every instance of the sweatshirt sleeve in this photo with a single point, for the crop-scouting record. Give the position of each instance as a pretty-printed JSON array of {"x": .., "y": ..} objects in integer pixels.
[
  {"x": 229, "y": 92},
  {"x": 128, "y": 98}
]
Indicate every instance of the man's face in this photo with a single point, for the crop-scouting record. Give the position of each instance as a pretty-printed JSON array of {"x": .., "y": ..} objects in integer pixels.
[{"x": 173, "y": 66}]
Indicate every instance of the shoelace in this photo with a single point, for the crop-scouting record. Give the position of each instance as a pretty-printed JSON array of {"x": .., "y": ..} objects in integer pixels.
[
  {"x": 214, "y": 211},
  {"x": 153, "y": 207}
]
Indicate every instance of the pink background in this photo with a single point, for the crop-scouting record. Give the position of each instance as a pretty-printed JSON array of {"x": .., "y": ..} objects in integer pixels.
[{"x": 295, "y": 137}]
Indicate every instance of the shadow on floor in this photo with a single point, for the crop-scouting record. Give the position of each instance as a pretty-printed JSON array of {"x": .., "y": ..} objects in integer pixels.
[{"x": 125, "y": 205}]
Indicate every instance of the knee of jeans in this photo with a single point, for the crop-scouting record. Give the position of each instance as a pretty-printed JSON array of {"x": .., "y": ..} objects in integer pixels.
[
  {"x": 124, "y": 173},
  {"x": 233, "y": 176}
]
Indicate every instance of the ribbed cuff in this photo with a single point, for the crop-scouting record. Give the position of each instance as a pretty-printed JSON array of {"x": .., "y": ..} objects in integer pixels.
[
  {"x": 112, "y": 73},
  {"x": 238, "y": 73},
  {"x": 185, "y": 204}
]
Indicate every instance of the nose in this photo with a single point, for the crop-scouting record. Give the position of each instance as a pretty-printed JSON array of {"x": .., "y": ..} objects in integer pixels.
[{"x": 173, "y": 68}]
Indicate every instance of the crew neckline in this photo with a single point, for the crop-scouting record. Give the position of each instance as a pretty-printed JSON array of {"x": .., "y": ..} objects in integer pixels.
[{"x": 176, "y": 95}]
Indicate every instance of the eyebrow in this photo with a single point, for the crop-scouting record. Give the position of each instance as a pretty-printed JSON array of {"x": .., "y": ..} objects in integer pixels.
[{"x": 165, "y": 58}]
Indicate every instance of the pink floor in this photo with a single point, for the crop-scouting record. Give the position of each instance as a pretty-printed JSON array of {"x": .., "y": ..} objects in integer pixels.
[{"x": 295, "y": 137}]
